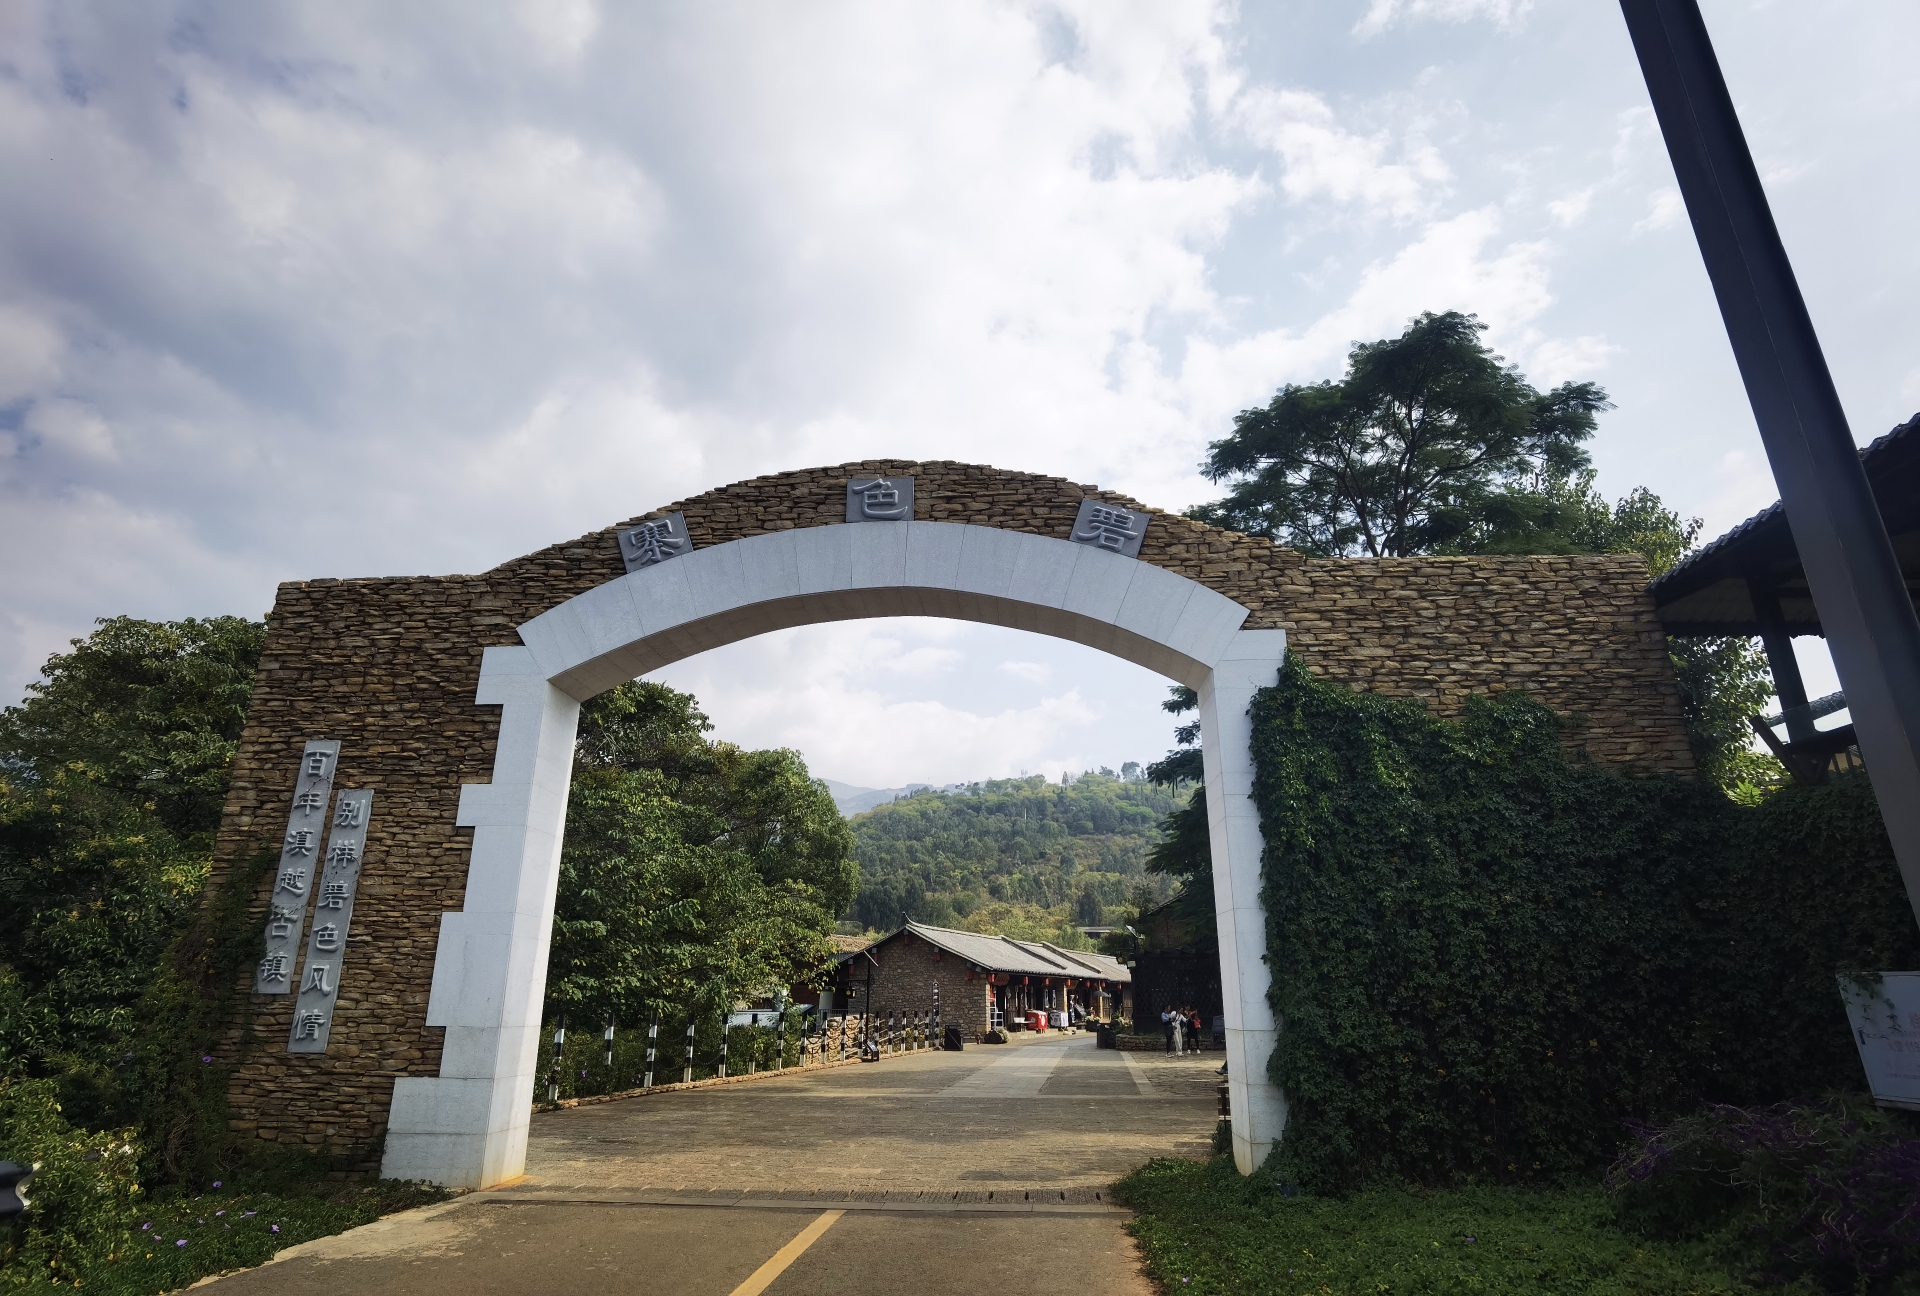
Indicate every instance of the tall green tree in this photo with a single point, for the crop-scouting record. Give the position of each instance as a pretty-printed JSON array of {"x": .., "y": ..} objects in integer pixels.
[
  {"x": 112, "y": 773},
  {"x": 1432, "y": 444},
  {"x": 1185, "y": 850},
  {"x": 693, "y": 873},
  {"x": 1428, "y": 438}
]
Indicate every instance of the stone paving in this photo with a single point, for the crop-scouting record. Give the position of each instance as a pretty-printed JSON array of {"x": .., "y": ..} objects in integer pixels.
[
  {"x": 945, "y": 1172},
  {"x": 1044, "y": 1114}
]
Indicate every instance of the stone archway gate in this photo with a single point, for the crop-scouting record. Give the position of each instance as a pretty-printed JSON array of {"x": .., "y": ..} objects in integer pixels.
[{"x": 408, "y": 920}]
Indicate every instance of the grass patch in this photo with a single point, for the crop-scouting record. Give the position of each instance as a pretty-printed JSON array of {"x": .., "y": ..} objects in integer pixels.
[
  {"x": 178, "y": 1239},
  {"x": 1203, "y": 1228}
]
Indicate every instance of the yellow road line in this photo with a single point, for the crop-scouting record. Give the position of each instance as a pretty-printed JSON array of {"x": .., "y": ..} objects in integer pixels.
[{"x": 786, "y": 1255}]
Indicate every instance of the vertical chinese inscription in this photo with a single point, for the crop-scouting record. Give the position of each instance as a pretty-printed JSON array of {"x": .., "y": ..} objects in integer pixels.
[
  {"x": 654, "y": 541},
  {"x": 1110, "y": 527},
  {"x": 299, "y": 865},
  {"x": 332, "y": 912},
  {"x": 880, "y": 499}
]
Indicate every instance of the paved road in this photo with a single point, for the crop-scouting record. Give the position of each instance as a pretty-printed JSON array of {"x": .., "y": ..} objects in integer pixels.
[{"x": 935, "y": 1172}]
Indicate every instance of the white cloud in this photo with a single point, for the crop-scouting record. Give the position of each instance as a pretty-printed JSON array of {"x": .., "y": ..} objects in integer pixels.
[
  {"x": 1449, "y": 267},
  {"x": 560, "y": 28},
  {"x": 840, "y": 695},
  {"x": 1550, "y": 361},
  {"x": 1742, "y": 485},
  {"x": 1664, "y": 207},
  {"x": 1569, "y": 211},
  {"x": 1322, "y": 158},
  {"x": 477, "y": 278},
  {"x": 1382, "y": 14}
]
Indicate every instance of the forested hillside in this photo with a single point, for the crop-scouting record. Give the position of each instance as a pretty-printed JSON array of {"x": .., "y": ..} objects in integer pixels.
[{"x": 1020, "y": 856}]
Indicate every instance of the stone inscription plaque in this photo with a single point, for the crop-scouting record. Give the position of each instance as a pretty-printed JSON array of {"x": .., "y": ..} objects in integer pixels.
[
  {"x": 880, "y": 499},
  {"x": 332, "y": 914},
  {"x": 1110, "y": 527},
  {"x": 299, "y": 864},
  {"x": 654, "y": 541}
]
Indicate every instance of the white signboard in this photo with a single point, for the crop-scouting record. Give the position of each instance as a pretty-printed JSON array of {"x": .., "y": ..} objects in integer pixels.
[{"x": 1886, "y": 1029}]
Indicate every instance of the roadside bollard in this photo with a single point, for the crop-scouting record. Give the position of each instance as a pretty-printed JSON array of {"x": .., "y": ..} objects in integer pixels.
[
  {"x": 653, "y": 1035},
  {"x": 686, "y": 1077},
  {"x": 559, "y": 1047}
]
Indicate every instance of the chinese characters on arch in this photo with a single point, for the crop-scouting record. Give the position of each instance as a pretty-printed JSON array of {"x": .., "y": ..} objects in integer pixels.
[
  {"x": 880, "y": 499},
  {"x": 1110, "y": 527},
  {"x": 654, "y": 541}
]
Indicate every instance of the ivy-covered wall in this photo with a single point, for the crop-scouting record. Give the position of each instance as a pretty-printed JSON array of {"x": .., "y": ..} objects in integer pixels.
[{"x": 1489, "y": 955}]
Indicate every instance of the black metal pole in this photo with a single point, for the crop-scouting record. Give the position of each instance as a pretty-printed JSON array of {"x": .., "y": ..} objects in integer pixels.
[{"x": 1865, "y": 610}]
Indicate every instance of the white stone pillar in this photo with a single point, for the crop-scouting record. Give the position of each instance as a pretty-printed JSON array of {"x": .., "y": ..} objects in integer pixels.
[
  {"x": 467, "y": 1127},
  {"x": 1251, "y": 663}
]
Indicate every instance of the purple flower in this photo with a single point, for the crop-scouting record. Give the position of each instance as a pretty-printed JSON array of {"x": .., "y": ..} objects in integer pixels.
[
  {"x": 249, "y": 1214},
  {"x": 146, "y": 1226},
  {"x": 217, "y": 1214},
  {"x": 207, "y": 1058},
  {"x": 182, "y": 1242},
  {"x": 216, "y": 1183},
  {"x": 275, "y": 1227},
  {"x": 1469, "y": 1239}
]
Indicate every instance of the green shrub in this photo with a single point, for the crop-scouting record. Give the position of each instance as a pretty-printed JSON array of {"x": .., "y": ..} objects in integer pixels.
[
  {"x": 1488, "y": 956},
  {"x": 1203, "y": 1229},
  {"x": 1829, "y": 1191},
  {"x": 84, "y": 1193}
]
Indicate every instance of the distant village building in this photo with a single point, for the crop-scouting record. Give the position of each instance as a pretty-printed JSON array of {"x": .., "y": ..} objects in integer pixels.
[{"x": 983, "y": 982}]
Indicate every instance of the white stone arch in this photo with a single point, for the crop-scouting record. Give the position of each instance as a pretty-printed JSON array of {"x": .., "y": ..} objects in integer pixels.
[{"x": 468, "y": 1125}]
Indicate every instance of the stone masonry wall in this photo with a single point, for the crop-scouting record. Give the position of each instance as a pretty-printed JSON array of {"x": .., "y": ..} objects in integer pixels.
[{"x": 388, "y": 666}]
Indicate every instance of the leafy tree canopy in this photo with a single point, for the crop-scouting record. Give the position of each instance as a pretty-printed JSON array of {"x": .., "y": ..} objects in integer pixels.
[
  {"x": 111, "y": 777},
  {"x": 693, "y": 872},
  {"x": 149, "y": 710},
  {"x": 1429, "y": 440},
  {"x": 1431, "y": 444}
]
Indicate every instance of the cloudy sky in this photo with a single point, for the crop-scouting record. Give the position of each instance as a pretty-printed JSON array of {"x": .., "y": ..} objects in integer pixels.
[{"x": 362, "y": 289}]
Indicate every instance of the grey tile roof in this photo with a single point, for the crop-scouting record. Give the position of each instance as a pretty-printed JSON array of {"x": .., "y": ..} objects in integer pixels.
[
  {"x": 1026, "y": 958},
  {"x": 1706, "y": 592}
]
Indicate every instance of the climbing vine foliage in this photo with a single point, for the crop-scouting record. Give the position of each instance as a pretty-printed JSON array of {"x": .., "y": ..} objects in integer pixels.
[{"x": 1488, "y": 954}]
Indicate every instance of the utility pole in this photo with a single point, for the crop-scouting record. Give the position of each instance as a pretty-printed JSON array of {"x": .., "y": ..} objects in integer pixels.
[{"x": 1865, "y": 611}]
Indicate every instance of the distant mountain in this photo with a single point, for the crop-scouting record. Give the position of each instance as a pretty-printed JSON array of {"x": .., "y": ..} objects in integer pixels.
[
  {"x": 948, "y": 856},
  {"x": 856, "y": 800}
]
